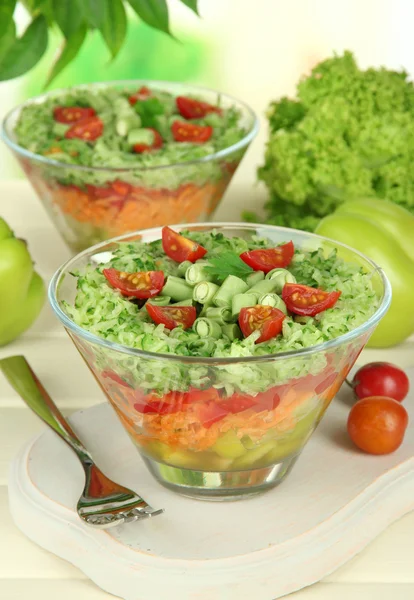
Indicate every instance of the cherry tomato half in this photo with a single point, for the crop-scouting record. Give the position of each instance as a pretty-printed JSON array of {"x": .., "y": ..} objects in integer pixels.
[
  {"x": 189, "y": 132},
  {"x": 144, "y": 284},
  {"x": 142, "y": 94},
  {"x": 172, "y": 316},
  {"x": 307, "y": 301},
  {"x": 180, "y": 248},
  {"x": 72, "y": 114},
  {"x": 266, "y": 319},
  {"x": 266, "y": 260},
  {"x": 380, "y": 379},
  {"x": 88, "y": 129},
  {"x": 377, "y": 424},
  {"x": 189, "y": 108},
  {"x": 156, "y": 144}
]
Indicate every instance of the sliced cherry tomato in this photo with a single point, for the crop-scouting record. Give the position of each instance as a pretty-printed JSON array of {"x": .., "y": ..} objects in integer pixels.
[
  {"x": 238, "y": 403},
  {"x": 189, "y": 132},
  {"x": 88, "y": 129},
  {"x": 190, "y": 108},
  {"x": 156, "y": 144},
  {"x": 144, "y": 284},
  {"x": 210, "y": 413},
  {"x": 266, "y": 319},
  {"x": 72, "y": 114},
  {"x": 115, "y": 377},
  {"x": 307, "y": 301},
  {"x": 142, "y": 94},
  {"x": 377, "y": 424},
  {"x": 180, "y": 248},
  {"x": 380, "y": 379},
  {"x": 172, "y": 316},
  {"x": 266, "y": 260}
]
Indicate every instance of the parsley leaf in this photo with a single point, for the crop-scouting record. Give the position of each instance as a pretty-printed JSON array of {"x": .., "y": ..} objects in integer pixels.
[{"x": 227, "y": 263}]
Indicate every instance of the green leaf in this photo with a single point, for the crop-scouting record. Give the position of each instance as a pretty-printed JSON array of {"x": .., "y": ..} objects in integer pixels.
[
  {"x": 68, "y": 15},
  {"x": 191, "y": 4},
  {"x": 94, "y": 10},
  {"x": 227, "y": 263},
  {"x": 26, "y": 51},
  {"x": 7, "y": 26},
  {"x": 114, "y": 25},
  {"x": 154, "y": 13},
  {"x": 69, "y": 51}
]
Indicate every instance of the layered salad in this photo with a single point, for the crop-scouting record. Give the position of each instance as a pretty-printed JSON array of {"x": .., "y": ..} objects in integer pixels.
[
  {"x": 125, "y": 159},
  {"x": 212, "y": 313}
]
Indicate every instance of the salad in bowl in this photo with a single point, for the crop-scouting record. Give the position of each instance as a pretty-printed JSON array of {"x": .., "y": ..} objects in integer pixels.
[
  {"x": 220, "y": 346},
  {"x": 110, "y": 158}
]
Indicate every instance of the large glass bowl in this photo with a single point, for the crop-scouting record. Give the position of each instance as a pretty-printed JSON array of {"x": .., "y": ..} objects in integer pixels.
[
  {"x": 184, "y": 438},
  {"x": 110, "y": 201}
]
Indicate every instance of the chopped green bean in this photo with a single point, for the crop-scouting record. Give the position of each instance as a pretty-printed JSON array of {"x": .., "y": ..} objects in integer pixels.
[
  {"x": 182, "y": 267},
  {"x": 232, "y": 331},
  {"x": 157, "y": 301},
  {"x": 274, "y": 301},
  {"x": 197, "y": 273},
  {"x": 267, "y": 286},
  {"x": 254, "y": 278},
  {"x": 221, "y": 314},
  {"x": 203, "y": 347},
  {"x": 240, "y": 301},
  {"x": 231, "y": 285},
  {"x": 187, "y": 302},
  {"x": 280, "y": 276},
  {"x": 177, "y": 289},
  {"x": 204, "y": 292},
  {"x": 207, "y": 328}
]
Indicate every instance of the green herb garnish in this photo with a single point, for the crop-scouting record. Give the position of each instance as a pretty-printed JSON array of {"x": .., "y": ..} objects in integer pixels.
[{"x": 228, "y": 263}]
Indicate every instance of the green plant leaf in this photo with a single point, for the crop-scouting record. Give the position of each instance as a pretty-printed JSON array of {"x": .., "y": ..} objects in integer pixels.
[
  {"x": 153, "y": 13},
  {"x": 68, "y": 15},
  {"x": 114, "y": 25},
  {"x": 26, "y": 51},
  {"x": 228, "y": 263},
  {"x": 70, "y": 49},
  {"x": 94, "y": 10},
  {"x": 191, "y": 4},
  {"x": 7, "y": 26}
]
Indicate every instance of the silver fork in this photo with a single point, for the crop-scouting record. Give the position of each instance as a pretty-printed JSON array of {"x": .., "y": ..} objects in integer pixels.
[{"x": 103, "y": 502}]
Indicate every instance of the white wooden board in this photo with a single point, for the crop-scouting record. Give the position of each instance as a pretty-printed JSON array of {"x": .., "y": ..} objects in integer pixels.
[{"x": 335, "y": 501}]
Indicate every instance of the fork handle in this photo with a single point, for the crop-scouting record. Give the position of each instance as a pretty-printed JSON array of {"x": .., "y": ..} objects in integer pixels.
[{"x": 22, "y": 378}]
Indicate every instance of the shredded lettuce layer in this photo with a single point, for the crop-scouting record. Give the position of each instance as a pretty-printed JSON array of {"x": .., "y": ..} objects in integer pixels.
[{"x": 103, "y": 311}]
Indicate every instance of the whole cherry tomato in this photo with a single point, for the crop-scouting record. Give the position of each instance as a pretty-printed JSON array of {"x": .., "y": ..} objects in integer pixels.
[
  {"x": 377, "y": 424},
  {"x": 380, "y": 379}
]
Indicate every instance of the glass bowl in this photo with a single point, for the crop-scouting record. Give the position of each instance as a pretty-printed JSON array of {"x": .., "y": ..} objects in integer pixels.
[
  {"x": 170, "y": 405},
  {"x": 89, "y": 205}
]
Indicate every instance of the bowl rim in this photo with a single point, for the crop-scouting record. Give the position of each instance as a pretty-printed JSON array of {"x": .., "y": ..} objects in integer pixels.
[
  {"x": 328, "y": 345},
  {"x": 245, "y": 141}
]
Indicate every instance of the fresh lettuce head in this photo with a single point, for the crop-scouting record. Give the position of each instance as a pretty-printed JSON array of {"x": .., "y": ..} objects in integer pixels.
[{"x": 349, "y": 133}]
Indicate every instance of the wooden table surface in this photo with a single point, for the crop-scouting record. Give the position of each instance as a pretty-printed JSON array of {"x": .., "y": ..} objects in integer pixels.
[{"x": 383, "y": 571}]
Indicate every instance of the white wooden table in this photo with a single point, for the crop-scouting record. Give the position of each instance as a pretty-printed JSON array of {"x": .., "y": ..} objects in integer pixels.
[{"x": 383, "y": 571}]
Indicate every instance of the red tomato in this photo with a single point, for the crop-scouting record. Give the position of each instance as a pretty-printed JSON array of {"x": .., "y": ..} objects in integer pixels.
[
  {"x": 381, "y": 379},
  {"x": 72, "y": 114},
  {"x": 266, "y": 319},
  {"x": 88, "y": 129},
  {"x": 326, "y": 383},
  {"x": 188, "y": 132},
  {"x": 116, "y": 188},
  {"x": 210, "y": 413},
  {"x": 180, "y": 248},
  {"x": 377, "y": 424},
  {"x": 156, "y": 407},
  {"x": 238, "y": 403},
  {"x": 307, "y": 301},
  {"x": 172, "y": 316},
  {"x": 156, "y": 144},
  {"x": 112, "y": 375},
  {"x": 266, "y": 260},
  {"x": 142, "y": 94},
  {"x": 143, "y": 284},
  {"x": 270, "y": 399},
  {"x": 195, "y": 395},
  {"x": 190, "y": 108}
]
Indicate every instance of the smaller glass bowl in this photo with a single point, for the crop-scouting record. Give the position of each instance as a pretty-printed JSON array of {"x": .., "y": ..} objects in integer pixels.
[
  {"x": 114, "y": 201},
  {"x": 185, "y": 438}
]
